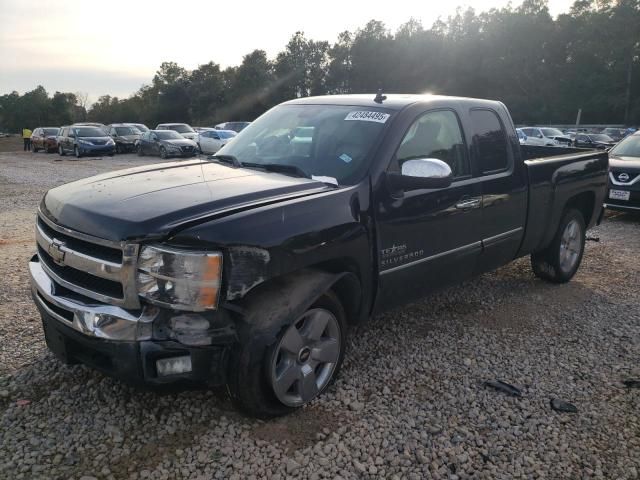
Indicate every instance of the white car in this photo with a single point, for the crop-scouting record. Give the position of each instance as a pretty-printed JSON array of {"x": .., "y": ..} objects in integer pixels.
[
  {"x": 551, "y": 137},
  {"x": 182, "y": 128},
  {"x": 211, "y": 140},
  {"x": 522, "y": 138}
]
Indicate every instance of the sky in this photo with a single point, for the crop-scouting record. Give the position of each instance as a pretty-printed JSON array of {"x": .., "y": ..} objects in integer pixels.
[{"x": 115, "y": 46}]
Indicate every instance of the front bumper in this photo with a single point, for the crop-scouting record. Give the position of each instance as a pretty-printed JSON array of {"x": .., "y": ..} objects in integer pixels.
[
  {"x": 96, "y": 149},
  {"x": 632, "y": 204},
  {"x": 112, "y": 340},
  {"x": 126, "y": 147}
]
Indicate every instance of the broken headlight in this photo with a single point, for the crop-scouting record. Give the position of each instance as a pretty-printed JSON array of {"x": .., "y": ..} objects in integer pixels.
[{"x": 179, "y": 279}]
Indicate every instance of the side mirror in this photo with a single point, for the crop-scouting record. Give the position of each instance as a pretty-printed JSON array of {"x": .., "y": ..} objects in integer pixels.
[
  {"x": 539, "y": 135},
  {"x": 422, "y": 173}
]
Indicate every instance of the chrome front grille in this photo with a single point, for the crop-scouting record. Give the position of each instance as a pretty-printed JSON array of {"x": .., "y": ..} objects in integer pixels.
[{"x": 93, "y": 267}]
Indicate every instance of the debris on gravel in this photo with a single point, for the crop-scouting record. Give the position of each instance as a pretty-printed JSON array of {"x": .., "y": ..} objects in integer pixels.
[
  {"x": 504, "y": 387},
  {"x": 562, "y": 406},
  {"x": 408, "y": 404}
]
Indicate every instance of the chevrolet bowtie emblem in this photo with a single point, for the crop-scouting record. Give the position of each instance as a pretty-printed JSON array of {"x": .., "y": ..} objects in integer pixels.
[{"x": 56, "y": 252}]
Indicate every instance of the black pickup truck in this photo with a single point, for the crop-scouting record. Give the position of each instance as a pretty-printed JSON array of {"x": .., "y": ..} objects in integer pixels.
[{"x": 246, "y": 268}]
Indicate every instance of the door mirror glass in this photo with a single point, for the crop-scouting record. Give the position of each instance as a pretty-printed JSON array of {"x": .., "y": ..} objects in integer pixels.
[{"x": 422, "y": 173}]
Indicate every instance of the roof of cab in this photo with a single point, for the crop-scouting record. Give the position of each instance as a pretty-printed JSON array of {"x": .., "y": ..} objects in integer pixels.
[{"x": 392, "y": 102}]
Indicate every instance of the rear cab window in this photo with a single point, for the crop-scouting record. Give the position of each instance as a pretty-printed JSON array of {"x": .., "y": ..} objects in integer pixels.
[{"x": 490, "y": 142}]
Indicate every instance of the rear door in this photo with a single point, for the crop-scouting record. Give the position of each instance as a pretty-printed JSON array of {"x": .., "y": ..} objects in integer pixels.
[
  {"x": 429, "y": 238},
  {"x": 496, "y": 153}
]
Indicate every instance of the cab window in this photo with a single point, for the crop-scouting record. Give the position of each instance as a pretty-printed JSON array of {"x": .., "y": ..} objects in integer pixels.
[
  {"x": 437, "y": 135},
  {"x": 490, "y": 141}
]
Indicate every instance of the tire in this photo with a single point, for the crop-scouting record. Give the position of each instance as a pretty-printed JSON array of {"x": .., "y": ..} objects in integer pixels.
[
  {"x": 256, "y": 360},
  {"x": 140, "y": 152},
  {"x": 76, "y": 152},
  {"x": 35, "y": 150},
  {"x": 118, "y": 150},
  {"x": 559, "y": 262},
  {"x": 61, "y": 151},
  {"x": 163, "y": 153}
]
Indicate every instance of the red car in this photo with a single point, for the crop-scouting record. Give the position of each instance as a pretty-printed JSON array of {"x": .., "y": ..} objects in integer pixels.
[{"x": 44, "y": 138}]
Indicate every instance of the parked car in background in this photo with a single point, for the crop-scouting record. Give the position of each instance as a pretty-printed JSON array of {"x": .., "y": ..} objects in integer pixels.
[
  {"x": 593, "y": 140},
  {"x": 85, "y": 140},
  {"x": 166, "y": 143},
  {"x": 44, "y": 138},
  {"x": 624, "y": 175},
  {"x": 212, "y": 140},
  {"x": 616, "y": 134},
  {"x": 140, "y": 126},
  {"x": 545, "y": 136},
  {"x": 522, "y": 137},
  {"x": 182, "y": 128},
  {"x": 125, "y": 136},
  {"x": 235, "y": 126}
]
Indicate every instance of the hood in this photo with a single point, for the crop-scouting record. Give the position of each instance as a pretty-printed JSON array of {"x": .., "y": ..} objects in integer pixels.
[
  {"x": 624, "y": 164},
  {"x": 189, "y": 135},
  {"x": 155, "y": 200},
  {"x": 130, "y": 138},
  {"x": 181, "y": 142}
]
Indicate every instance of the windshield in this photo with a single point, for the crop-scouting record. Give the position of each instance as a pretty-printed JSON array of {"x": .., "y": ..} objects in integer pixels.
[
  {"x": 599, "y": 137},
  {"x": 127, "y": 131},
  {"x": 140, "y": 127},
  {"x": 322, "y": 140},
  {"x": 89, "y": 132},
  {"x": 551, "y": 132},
  {"x": 50, "y": 131},
  {"x": 226, "y": 133},
  {"x": 629, "y": 147},
  {"x": 181, "y": 128},
  {"x": 168, "y": 135}
]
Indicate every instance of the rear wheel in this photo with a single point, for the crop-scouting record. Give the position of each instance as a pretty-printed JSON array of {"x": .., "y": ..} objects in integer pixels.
[
  {"x": 292, "y": 368},
  {"x": 140, "y": 151},
  {"x": 76, "y": 152},
  {"x": 559, "y": 262}
]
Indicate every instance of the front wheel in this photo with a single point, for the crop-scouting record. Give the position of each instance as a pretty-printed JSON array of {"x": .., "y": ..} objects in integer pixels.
[
  {"x": 76, "y": 152},
  {"x": 140, "y": 151},
  {"x": 61, "y": 151},
  {"x": 163, "y": 152},
  {"x": 559, "y": 262},
  {"x": 274, "y": 377}
]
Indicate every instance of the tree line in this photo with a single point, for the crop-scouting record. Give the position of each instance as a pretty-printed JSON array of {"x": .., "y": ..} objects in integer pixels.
[{"x": 543, "y": 69}]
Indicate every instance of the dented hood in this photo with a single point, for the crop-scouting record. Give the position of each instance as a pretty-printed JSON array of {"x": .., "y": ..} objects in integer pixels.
[{"x": 154, "y": 200}]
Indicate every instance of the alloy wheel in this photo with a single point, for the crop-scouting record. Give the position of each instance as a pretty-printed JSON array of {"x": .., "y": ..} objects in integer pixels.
[
  {"x": 305, "y": 358},
  {"x": 570, "y": 243}
]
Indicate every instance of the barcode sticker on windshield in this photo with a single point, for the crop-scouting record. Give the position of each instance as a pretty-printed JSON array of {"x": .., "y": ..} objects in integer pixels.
[{"x": 364, "y": 116}]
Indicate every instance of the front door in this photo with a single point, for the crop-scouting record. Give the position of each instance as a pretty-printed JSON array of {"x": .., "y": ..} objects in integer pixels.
[{"x": 429, "y": 238}]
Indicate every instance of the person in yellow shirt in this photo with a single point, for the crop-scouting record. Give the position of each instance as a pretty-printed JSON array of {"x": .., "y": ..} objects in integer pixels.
[{"x": 26, "y": 138}]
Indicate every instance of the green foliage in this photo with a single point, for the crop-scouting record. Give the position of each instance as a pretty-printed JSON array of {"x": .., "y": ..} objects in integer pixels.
[{"x": 542, "y": 68}]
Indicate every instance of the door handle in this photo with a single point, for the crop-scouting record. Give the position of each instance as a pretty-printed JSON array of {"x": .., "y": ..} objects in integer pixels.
[{"x": 468, "y": 204}]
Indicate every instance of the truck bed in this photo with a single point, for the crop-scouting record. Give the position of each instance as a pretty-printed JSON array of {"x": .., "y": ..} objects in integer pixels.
[{"x": 558, "y": 177}]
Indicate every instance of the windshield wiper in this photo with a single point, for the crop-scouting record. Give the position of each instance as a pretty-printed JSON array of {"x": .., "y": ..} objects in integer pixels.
[
  {"x": 278, "y": 168},
  {"x": 226, "y": 159}
]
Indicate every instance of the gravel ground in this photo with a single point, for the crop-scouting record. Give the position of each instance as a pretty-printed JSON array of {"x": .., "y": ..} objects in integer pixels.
[{"x": 409, "y": 403}]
